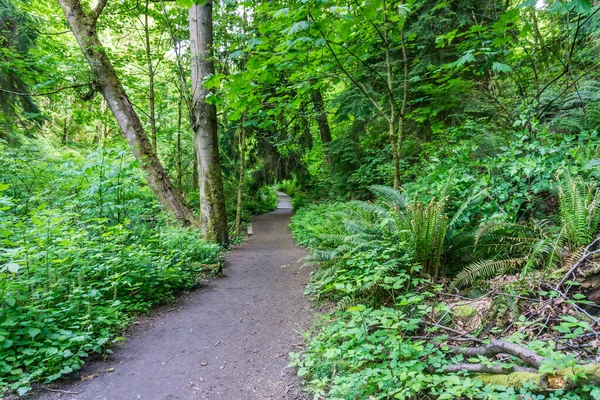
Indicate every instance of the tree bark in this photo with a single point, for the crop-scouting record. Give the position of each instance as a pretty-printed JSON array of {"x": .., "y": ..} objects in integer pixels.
[
  {"x": 213, "y": 218},
  {"x": 496, "y": 346},
  {"x": 393, "y": 108},
  {"x": 324, "y": 129},
  {"x": 84, "y": 29},
  {"x": 151, "y": 93},
  {"x": 402, "y": 113},
  {"x": 240, "y": 192},
  {"x": 179, "y": 163}
]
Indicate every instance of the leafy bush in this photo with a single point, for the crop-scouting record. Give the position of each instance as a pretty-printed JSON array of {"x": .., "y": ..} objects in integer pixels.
[
  {"x": 263, "y": 201},
  {"x": 379, "y": 342},
  {"x": 505, "y": 247},
  {"x": 71, "y": 278},
  {"x": 288, "y": 186}
]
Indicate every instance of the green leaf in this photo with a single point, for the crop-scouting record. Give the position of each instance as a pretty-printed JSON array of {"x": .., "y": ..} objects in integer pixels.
[
  {"x": 33, "y": 332},
  {"x": 466, "y": 59},
  {"x": 13, "y": 267},
  {"x": 581, "y": 6},
  {"x": 10, "y": 301},
  {"x": 356, "y": 308},
  {"x": 236, "y": 54},
  {"x": 499, "y": 67},
  {"x": 297, "y": 27}
]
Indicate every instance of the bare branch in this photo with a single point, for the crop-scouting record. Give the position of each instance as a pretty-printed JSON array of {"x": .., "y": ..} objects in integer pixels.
[{"x": 89, "y": 84}]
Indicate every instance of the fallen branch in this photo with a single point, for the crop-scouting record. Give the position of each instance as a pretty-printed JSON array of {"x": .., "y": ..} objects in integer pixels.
[
  {"x": 496, "y": 347},
  {"x": 58, "y": 391}
]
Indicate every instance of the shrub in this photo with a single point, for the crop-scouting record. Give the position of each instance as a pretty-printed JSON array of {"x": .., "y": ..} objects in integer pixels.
[{"x": 72, "y": 278}]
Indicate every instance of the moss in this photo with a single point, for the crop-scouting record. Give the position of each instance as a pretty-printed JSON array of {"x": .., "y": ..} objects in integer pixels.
[
  {"x": 464, "y": 311},
  {"x": 515, "y": 379},
  {"x": 559, "y": 379}
]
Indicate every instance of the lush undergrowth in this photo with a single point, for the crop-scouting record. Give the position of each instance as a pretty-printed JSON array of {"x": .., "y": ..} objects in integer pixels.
[
  {"x": 393, "y": 324},
  {"x": 83, "y": 249}
]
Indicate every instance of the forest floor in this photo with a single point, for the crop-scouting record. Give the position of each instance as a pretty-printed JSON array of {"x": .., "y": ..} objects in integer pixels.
[{"x": 230, "y": 339}]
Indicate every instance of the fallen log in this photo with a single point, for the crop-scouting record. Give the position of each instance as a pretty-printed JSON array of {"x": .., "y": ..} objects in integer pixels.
[
  {"x": 496, "y": 347},
  {"x": 517, "y": 376}
]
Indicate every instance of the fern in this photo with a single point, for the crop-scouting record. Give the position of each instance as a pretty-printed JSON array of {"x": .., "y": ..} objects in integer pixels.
[
  {"x": 578, "y": 204},
  {"x": 501, "y": 245},
  {"x": 389, "y": 195},
  {"x": 485, "y": 269}
]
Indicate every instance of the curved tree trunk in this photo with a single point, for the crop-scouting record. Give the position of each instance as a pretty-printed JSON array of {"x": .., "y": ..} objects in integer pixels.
[
  {"x": 213, "y": 219},
  {"x": 84, "y": 29}
]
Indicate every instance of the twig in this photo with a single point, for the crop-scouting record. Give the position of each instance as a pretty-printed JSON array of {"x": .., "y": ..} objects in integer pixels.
[
  {"x": 46, "y": 93},
  {"x": 58, "y": 390},
  {"x": 466, "y": 335}
]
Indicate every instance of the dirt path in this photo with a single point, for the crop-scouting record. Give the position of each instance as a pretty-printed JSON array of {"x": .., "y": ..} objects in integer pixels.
[{"x": 228, "y": 340}]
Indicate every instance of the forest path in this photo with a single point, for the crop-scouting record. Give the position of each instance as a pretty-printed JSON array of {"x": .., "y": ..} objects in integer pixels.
[{"x": 229, "y": 339}]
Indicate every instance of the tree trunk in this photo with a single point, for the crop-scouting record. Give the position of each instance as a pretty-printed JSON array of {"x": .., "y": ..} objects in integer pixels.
[
  {"x": 84, "y": 29},
  {"x": 67, "y": 126},
  {"x": 358, "y": 127},
  {"x": 179, "y": 164},
  {"x": 240, "y": 191},
  {"x": 402, "y": 113},
  {"x": 317, "y": 99},
  {"x": 395, "y": 154},
  {"x": 151, "y": 94},
  {"x": 213, "y": 218},
  {"x": 390, "y": 83}
]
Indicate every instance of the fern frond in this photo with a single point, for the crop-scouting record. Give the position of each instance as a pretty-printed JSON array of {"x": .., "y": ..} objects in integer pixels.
[
  {"x": 389, "y": 195},
  {"x": 484, "y": 269},
  {"x": 473, "y": 198}
]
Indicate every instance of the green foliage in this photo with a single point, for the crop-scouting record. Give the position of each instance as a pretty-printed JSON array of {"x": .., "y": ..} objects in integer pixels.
[
  {"x": 81, "y": 254},
  {"x": 578, "y": 204},
  {"x": 373, "y": 343},
  {"x": 518, "y": 247},
  {"x": 263, "y": 201}
]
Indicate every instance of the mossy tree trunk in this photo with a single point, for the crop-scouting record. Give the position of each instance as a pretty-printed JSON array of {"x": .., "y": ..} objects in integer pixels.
[
  {"x": 213, "y": 218},
  {"x": 240, "y": 191}
]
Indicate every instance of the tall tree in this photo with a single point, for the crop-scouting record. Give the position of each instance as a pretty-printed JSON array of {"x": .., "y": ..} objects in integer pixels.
[
  {"x": 84, "y": 28},
  {"x": 213, "y": 218}
]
